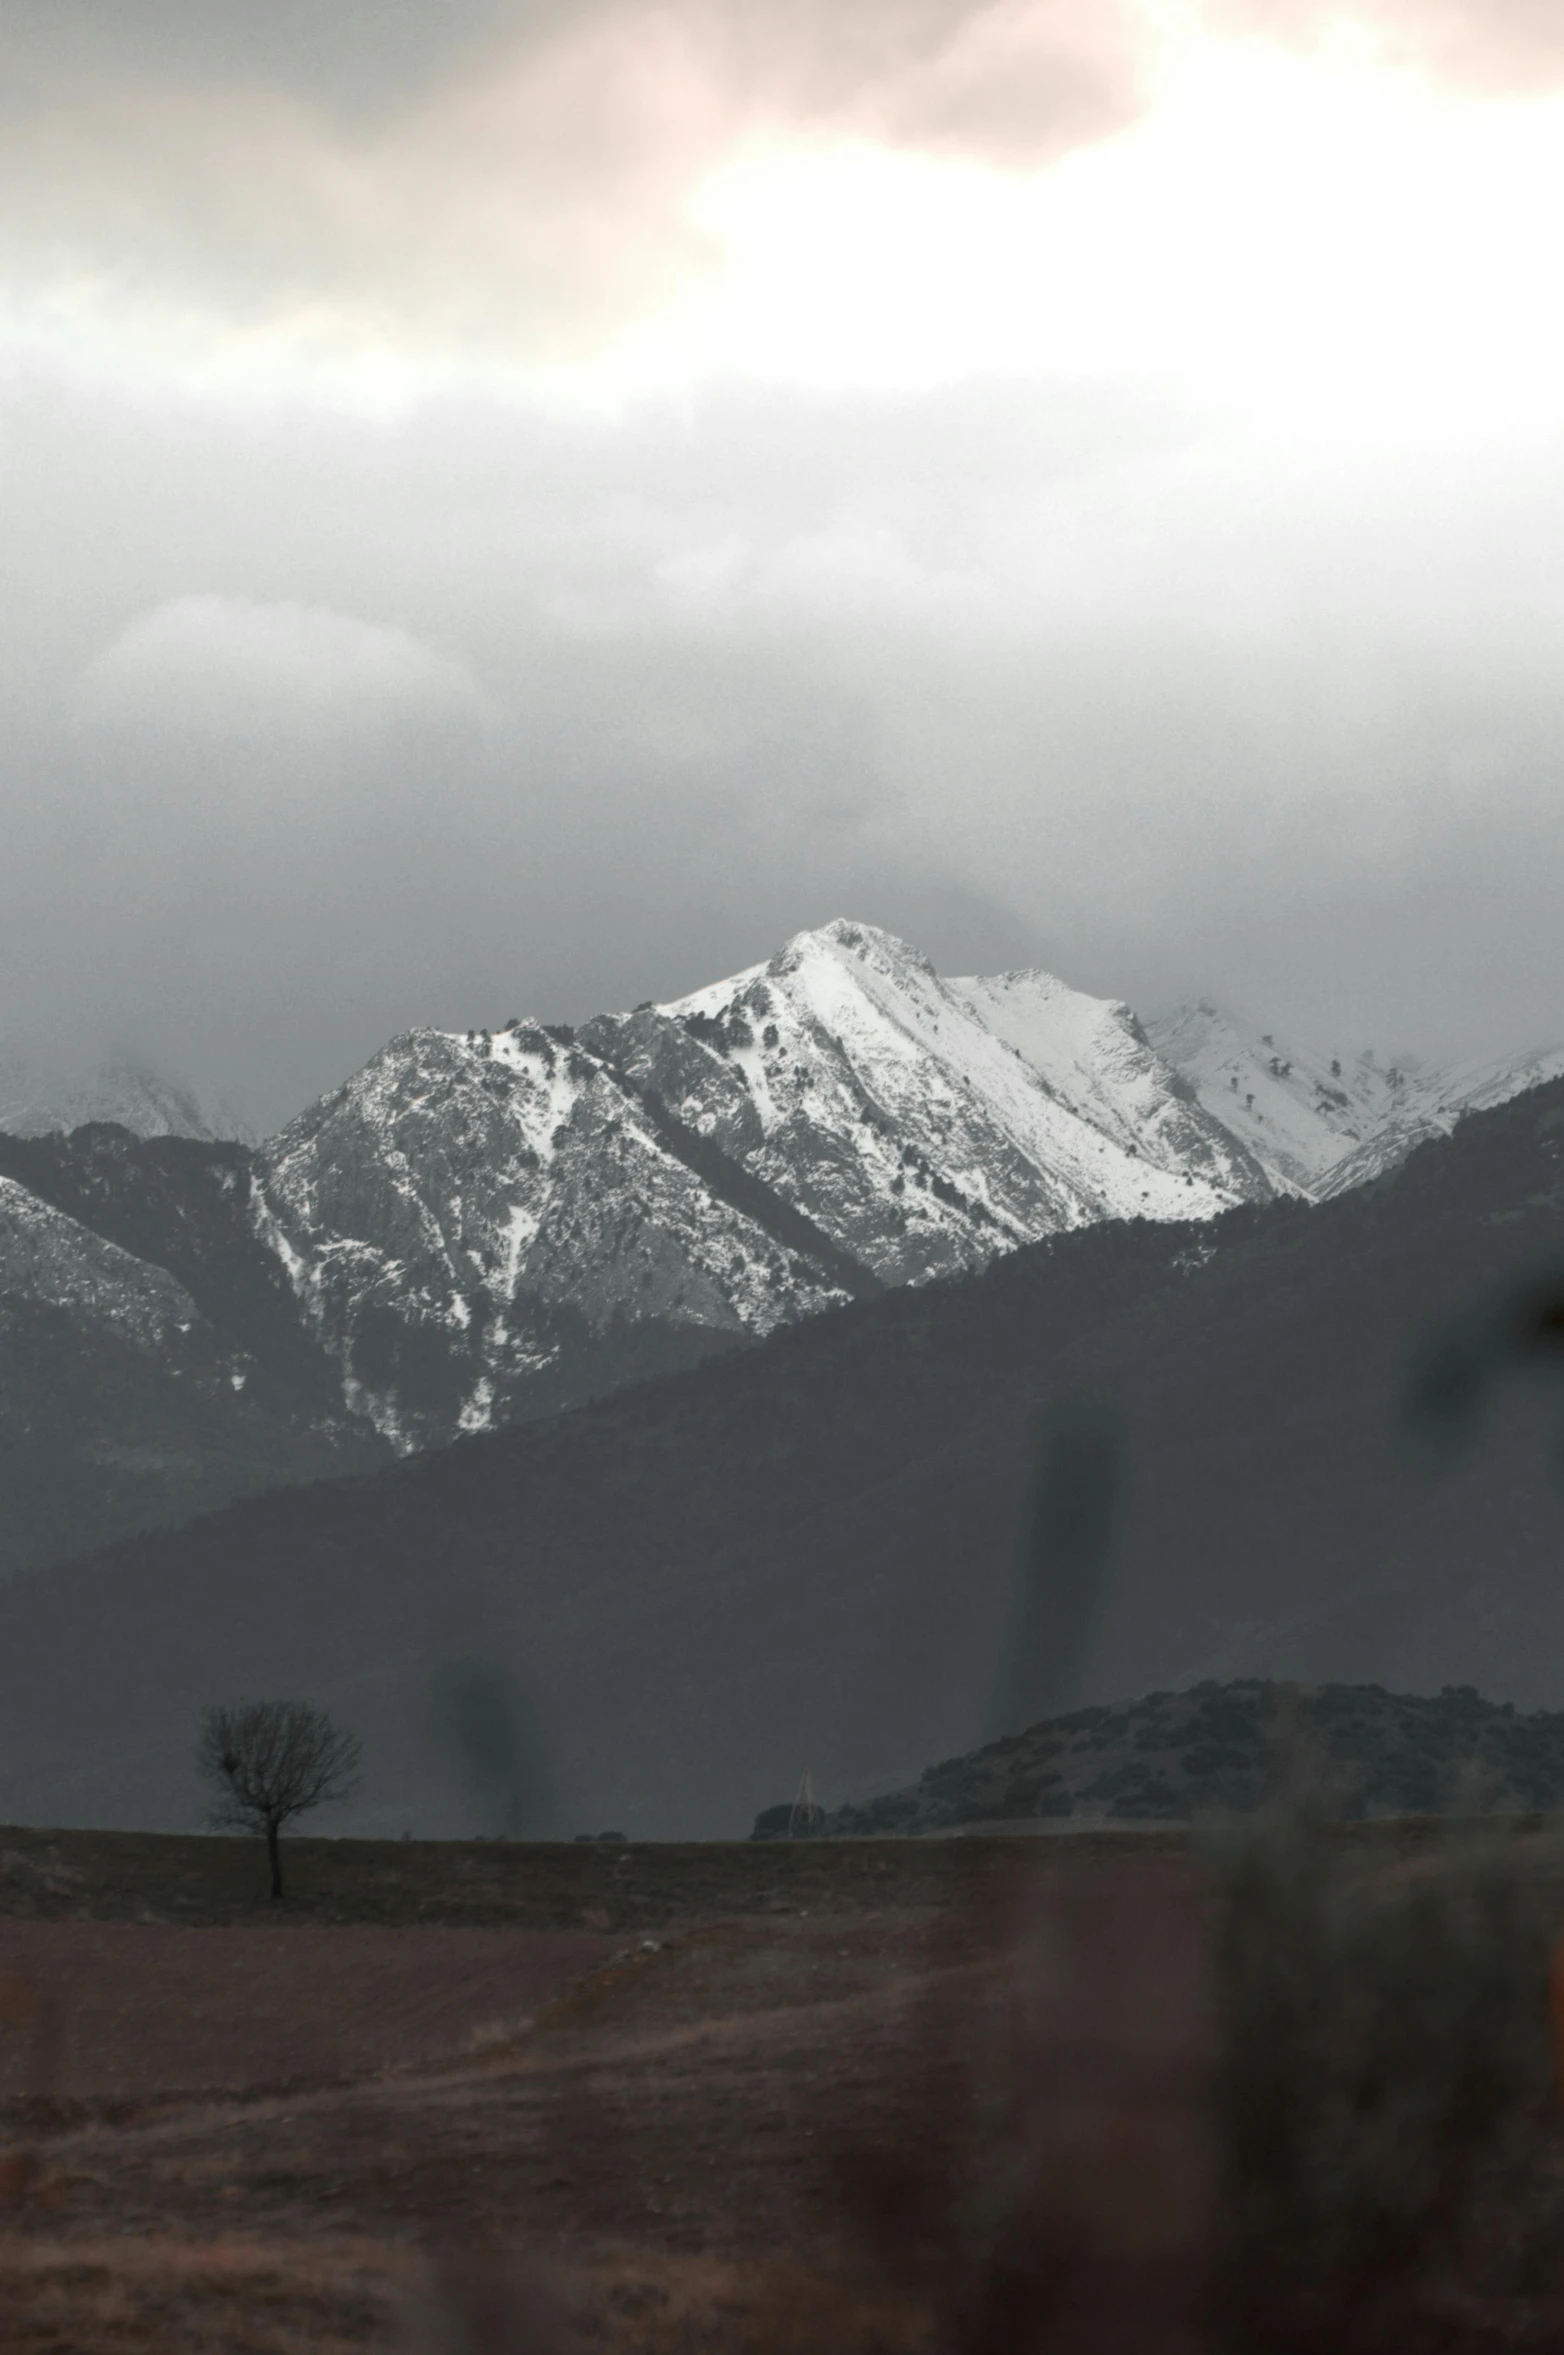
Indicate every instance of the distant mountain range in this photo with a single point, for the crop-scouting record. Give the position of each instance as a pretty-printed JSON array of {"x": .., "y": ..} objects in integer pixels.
[
  {"x": 805, "y": 1553},
  {"x": 485, "y": 1227},
  {"x": 40, "y": 1098}
]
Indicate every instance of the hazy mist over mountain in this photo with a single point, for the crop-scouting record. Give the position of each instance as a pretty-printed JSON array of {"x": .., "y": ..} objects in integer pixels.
[{"x": 507, "y": 509}]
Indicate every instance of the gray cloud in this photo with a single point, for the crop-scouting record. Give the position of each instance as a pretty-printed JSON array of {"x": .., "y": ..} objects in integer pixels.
[
  {"x": 316, "y": 725},
  {"x": 235, "y": 676},
  {"x": 316, "y": 730},
  {"x": 354, "y": 57},
  {"x": 910, "y": 66}
]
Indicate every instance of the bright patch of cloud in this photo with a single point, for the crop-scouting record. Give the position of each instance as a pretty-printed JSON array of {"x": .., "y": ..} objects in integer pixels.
[
  {"x": 1334, "y": 242},
  {"x": 1503, "y": 47},
  {"x": 652, "y": 194},
  {"x": 526, "y": 206},
  {"x": 265, "y": 676}
]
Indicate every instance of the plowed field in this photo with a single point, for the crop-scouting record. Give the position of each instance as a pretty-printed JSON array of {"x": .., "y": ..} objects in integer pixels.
[
  {"x": 134, "y": 2011},
  {"x": 287, "y": 2136}
]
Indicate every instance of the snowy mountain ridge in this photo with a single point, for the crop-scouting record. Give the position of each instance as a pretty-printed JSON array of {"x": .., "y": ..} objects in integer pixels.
[
  {"x": 476, "y": 1212},
  {"x": 480, "y": 1227},
  {"x": 1320, "y": 1124}
]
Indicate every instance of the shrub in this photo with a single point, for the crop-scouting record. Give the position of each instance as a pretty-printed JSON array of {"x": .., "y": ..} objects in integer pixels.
[{"x": 1385, "y": 2100}]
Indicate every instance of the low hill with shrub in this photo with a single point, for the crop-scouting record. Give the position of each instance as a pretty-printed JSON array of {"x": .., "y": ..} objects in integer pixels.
[{"x": 1231, "y": 1749}]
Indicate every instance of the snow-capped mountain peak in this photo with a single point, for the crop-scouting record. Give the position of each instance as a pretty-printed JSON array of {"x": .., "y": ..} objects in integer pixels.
[
  {"x": 475, "y": 1209},
  {"x": 484, "y": 1224},
  {"x": 926, "y": 1123},
  {"x": 1093, "y": 1054}
]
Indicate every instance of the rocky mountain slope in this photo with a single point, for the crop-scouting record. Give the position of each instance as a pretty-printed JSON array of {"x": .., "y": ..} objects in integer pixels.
[
  {"x": 476, "y": 1218},
  {"x": 152, "y": 1360},
  {"x": 805, "y": 1553},
  {"x": 489, "y": 1225},
  {"x": 1221, "y": 1750},
  {"x": 1318, "y": 1124}
]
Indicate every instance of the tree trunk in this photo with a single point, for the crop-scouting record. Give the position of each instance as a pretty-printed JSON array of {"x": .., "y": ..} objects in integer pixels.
[{"x": 275, "y": 1855}]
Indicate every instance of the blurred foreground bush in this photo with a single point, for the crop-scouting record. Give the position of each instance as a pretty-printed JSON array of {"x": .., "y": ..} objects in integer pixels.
[{"x": 1387, "y": 2104}]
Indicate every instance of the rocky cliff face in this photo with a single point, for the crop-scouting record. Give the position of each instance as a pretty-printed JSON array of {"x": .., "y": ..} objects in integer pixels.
[{"x": 477, "y": 1224}]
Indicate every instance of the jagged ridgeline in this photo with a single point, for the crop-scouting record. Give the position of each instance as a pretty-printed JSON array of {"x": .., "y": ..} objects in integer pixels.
[{"x": 1227, "y": 1749}]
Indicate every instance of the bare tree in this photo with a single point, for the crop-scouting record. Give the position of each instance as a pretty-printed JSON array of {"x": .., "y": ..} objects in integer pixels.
[{"x": 271, "y": 1761}]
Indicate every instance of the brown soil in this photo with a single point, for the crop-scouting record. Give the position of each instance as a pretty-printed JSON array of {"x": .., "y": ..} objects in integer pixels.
[
  {"x": 137, "y": 2011},
  {"x": 288, "y": 2137}
]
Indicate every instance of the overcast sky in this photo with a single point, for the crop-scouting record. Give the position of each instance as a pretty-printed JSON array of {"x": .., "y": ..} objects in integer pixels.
[{"x": 517, "y": 508}]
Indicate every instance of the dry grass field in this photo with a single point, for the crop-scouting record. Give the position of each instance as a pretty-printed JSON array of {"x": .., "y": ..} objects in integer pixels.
[{"x": 839, "y": 2096}]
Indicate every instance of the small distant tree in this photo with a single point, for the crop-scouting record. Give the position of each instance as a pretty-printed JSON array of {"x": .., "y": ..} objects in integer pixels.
[{"x": 270, "y": 1762}]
